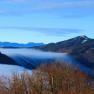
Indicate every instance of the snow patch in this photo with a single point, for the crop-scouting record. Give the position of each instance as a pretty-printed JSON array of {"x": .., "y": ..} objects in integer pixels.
[{"x": 84, "y": 41}]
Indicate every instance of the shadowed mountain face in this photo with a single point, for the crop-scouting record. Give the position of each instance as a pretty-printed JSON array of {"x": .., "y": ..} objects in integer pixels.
[
  {"x": 4, "y": 59},
  {"x": 81, "y": 48}
]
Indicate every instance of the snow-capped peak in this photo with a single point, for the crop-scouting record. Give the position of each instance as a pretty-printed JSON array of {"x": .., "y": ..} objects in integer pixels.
[{"x": 84, "y": 37}]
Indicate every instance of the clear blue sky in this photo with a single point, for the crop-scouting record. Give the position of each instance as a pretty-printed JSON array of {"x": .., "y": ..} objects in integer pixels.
[{"x": 45, "y": 20}]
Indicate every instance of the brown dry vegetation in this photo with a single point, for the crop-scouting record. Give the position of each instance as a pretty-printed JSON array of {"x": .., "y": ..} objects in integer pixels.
[{"x": 54, "y": 78}]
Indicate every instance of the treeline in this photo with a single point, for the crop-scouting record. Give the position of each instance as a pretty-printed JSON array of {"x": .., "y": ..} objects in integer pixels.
[{"x": 56, "y": 78}]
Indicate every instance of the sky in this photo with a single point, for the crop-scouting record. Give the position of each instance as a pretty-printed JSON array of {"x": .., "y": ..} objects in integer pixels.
[{"x": 45, "y": 20}]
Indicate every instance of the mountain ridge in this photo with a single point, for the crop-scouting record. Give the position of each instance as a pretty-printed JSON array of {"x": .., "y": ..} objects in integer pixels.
[
  {"x": 19, "y": 45},
  {"x": 67, "y": 44}
]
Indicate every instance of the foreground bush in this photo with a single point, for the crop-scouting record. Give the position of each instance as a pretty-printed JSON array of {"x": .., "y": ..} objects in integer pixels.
[{"x": 54, "y": 78}]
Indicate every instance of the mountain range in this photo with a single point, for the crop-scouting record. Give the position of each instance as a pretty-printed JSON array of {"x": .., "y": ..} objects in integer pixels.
[
  {"x": 81, "y": 48},
  {"x": 19, "y": 45}
]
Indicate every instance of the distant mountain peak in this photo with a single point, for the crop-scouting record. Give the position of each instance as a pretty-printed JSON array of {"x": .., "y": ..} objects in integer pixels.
[
  {"x": 84, "y": 37},
  {"x": 80, "y": 39}
]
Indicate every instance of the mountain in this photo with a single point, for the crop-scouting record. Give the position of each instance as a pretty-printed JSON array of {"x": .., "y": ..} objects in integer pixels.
[
  {"x": 4, "y": 59},
  {"x": 80, "y": 47},
  {"x": 67, "y": 45},
  {"x": 19, "y": 45}
]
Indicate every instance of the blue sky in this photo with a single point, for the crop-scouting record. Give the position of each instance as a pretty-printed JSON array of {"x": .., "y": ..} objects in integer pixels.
[{"x": 45, "y": 20}]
